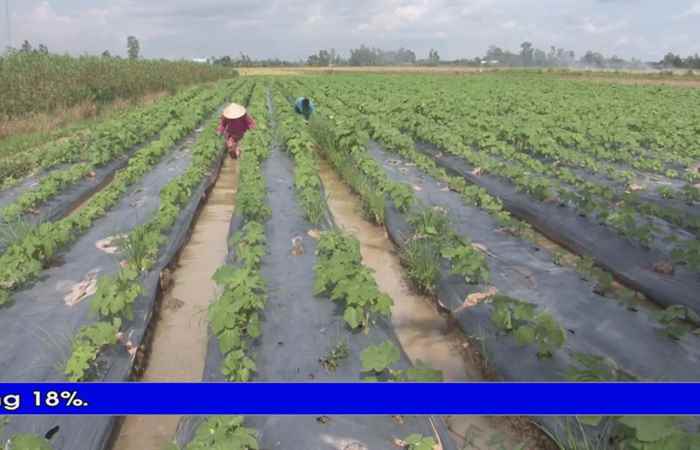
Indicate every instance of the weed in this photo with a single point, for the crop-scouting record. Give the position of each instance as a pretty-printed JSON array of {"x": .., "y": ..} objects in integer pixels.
[
  {"x": 140, "y": 246},
  {"x": 335, "y": 356},
  {"x": 595, "y": 368},
  {"x": 373, "y": 204},
  {"x": 432, "y": 222},
  {"x": 14, "y": 230},
  {"x": 421, "y": 257}
]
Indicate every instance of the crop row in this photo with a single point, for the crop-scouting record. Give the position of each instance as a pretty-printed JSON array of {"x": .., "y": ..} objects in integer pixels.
[
  {"x": 433, "y": 244},
  {"x": 59, "y": 180},
  {"x": 672, "y": 318},
  {"x": 575, "y": 123},
  {"x": 296, "y": 138},
  {"x": 115, "y": 295},
  {"x": 547, "y": 182},
  {"x": 26, "y": 258},
  {"x": 393, "y": 140},
  {"x": 235, "y": 315},
  {"x": 101, "y": 144},
  {"x": 493, "y": 153}
]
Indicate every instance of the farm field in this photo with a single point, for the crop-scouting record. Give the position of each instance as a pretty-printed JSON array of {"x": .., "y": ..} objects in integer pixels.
[{"x": 505, "y": 226}]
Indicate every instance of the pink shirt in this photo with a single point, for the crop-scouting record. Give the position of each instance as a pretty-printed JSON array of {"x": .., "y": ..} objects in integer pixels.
[{"x": 236, "y": 127}]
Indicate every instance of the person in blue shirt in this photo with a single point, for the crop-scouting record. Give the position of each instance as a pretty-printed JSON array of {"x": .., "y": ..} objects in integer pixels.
[{"x": 304, "y": 106}]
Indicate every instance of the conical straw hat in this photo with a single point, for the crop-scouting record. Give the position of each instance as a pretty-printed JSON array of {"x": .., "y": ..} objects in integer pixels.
[{"x": 234, "y": 111}]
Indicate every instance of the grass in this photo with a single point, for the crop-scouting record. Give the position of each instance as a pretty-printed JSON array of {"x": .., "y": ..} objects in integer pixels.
[
  {"x": 373, "y": 203},
  {"x": 576, "y": 438},
  {"x": 421, "y": 257},
  {"x": 13, "y": 231},
  {"x": 431, "y": 222}
]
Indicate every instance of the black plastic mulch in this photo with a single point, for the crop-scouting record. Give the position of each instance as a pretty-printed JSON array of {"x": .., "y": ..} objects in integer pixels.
[
  {"x": 298, "y": 330},
  {"x": 39, "y": 325},
  {"x": 593, "y": 324},
  {"x": 628, "y": 261}
]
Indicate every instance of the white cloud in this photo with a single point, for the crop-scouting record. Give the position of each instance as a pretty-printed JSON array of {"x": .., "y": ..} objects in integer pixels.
[
  {"x": 694, "y": 10},
  {"x": 296, "y": 28},
  {"x": 593, "y": 26},
  {"x": 509, "y": 24}
]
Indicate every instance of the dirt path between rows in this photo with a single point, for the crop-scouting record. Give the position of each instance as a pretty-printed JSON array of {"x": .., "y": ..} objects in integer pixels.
[
  {"x": 178, "y": 348},
  {"x": 424, "y": 334}
]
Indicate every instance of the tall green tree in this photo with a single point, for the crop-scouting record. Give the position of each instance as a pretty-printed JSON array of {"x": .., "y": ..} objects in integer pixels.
[
  {"x": 433, "y": 57},
  {"x": 133, "y": 47},
  {"x": 26, "y": 47},
  {"x": 527, "y": 53}
]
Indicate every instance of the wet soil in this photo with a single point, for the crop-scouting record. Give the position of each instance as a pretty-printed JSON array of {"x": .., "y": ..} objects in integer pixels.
[
  {"x": 424, "y": 333},
  {"x": 179, "y": 342}
]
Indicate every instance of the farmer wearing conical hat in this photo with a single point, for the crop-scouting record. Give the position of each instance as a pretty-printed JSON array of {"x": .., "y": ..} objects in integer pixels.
[{"x": 235, "y": 121}]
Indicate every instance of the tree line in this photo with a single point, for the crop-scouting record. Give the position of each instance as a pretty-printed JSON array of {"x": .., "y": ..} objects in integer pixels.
[
  {"x": 678, "y": 62},
  {"x": 526, "y": 56}
]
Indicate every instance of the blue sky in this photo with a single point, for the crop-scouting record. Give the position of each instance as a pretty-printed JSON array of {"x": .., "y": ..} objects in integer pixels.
[{"x": 294, "y": 29}]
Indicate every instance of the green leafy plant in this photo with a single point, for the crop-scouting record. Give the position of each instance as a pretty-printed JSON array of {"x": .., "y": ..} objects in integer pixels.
[
  {"x": 378, "y": 359},
  {"x": 468, "y": 262},
  {"x": 27, "y": 441},
  {"x": 341, "y": 275},
  {"x": 249, "y": 243},
  {"x": 116, "y": 294},
  {"x": 654, "y": 433},
  {"x": 419, "y": 442},
  {"x": 224, "y": 433},
  {"x": 87, "y": 345},
  {"x": 678, "y": 320},
  {"x": 401, "y": 195},
  {"x": 527, "y": 325},
  {"x": 432, "y": 222}
]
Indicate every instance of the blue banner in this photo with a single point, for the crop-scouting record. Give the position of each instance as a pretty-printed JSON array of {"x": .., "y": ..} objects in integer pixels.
[{"x": 490, "y": 398}]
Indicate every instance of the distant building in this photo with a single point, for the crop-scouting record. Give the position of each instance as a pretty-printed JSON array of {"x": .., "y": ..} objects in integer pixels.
[{"x": 200, "y": 60}]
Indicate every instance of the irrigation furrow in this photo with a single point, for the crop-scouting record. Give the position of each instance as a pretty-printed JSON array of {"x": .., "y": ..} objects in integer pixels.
[
  {"x": 284, "y": 352},
  {"x": 177, "y": 347},
  {"x": 425, "y": 335},
  {"x": 50, "y": 326},
  {"x": 575, "y": 339}
]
